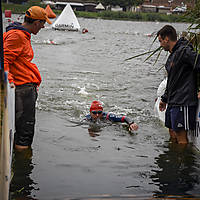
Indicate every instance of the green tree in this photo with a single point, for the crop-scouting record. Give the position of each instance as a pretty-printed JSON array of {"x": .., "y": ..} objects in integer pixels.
[
  {"x": 122, "y": 3},
  {"x": 17, "y": 1},
  {"x": 195, "y": 12},
  {"x": 34, "y": 2}
]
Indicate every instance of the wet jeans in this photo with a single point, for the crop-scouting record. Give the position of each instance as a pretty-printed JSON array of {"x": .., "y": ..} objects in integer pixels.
[{"x": 25, "y": 101}]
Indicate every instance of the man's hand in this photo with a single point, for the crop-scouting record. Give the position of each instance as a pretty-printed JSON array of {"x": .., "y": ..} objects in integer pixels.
[
  {"x": 133, "y": 126},
  {"x": 199, "y": 95},
  {"x": 162, "y": 106}
]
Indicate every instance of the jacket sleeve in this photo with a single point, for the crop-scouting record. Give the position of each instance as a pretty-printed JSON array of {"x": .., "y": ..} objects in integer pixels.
[
  {"x": 13, "y": 46},
  {"x": 164, "y": 96}
]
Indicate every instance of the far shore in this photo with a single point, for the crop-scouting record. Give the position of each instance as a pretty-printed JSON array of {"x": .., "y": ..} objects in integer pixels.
[{"x": 110, "y": 15}]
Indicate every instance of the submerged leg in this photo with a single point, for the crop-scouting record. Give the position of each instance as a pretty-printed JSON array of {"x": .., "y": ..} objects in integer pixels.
[
  {"x": 181, "y": 137},
  {"x": 172, "y": 135}
]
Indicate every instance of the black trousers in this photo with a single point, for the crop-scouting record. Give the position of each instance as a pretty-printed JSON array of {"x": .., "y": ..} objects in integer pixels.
[{"x": 25, "y": 101}]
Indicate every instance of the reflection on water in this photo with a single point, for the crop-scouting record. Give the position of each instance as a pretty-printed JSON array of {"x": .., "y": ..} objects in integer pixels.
[
  {"x": 22, "y": 183},
  {"x": 94, "y": 132},
  {"x": 178, "y": 171},
  {"x": 95, "y": 129}
]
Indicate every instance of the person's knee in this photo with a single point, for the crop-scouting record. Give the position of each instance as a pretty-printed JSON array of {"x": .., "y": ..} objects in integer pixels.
[{"x": 20, "y": 147}]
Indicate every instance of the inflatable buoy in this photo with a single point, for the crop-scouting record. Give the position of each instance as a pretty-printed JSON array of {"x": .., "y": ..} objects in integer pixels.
[
  {"x": 50, "y": 12},
  {"x": 84, "y": 30}
]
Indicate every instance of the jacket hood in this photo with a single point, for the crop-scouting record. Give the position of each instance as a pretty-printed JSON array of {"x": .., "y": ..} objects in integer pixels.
[
  {"x": 182, "y": 42},
  {"x": 16, "y": 25}
]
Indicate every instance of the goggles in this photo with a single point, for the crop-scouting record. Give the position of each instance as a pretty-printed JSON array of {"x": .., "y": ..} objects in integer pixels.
[{"x": 97, "y": 112}]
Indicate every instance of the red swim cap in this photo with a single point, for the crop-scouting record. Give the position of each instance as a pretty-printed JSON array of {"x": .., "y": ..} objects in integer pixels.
[
  {"x": 96, "y": 105},
  {"x": 84, "y": 30}
]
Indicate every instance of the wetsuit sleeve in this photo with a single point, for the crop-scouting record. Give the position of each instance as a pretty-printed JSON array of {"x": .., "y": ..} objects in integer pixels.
[
  {"x": 115, "y": 118},
  {"x": 128, "y": 121},
  {"x": 87, "y": 117}
]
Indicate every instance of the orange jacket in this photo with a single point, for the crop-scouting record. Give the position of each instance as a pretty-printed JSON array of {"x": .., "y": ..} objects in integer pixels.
[{"x": 18, "y": 54}]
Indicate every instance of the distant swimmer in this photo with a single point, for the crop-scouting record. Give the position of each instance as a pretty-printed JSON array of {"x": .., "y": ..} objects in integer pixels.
[
  {"x": 84, "y": 30},
  {"x": 51, "y": 42},
  {"x": 149, "y": 35},
  {"x": 96, "y": 113}
]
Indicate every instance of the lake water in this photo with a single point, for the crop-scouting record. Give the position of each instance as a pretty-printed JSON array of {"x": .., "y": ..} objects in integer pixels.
[{"x": 68, "y": 161}]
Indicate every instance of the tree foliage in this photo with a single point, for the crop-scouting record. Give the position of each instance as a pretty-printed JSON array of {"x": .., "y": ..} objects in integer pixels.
[
  {"x": 193, "y": 33},
  {"x": 195, "y": 12},
  {"x": 33, "y": 2},
  {"x": 18, "y": 1},
  {"x": 122, "y": 3}
]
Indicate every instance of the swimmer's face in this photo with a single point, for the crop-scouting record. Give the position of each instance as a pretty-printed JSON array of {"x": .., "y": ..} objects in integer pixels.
[{"x": 96, "y": 114}]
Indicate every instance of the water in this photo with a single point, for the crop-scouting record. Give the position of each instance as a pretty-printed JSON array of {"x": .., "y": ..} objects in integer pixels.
[{"x": 70, "y": 161}]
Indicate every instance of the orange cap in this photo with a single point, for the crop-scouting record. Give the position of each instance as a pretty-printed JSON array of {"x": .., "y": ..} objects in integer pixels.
[
  {"x": 96, "y": 105},
  {"x": 37, "y": 12}
]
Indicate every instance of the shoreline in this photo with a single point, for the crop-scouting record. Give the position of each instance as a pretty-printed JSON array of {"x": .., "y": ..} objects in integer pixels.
[{"x": 109, "y": 15}]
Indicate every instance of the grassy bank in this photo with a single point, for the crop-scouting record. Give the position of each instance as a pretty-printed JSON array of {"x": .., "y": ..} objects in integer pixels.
[
  {"x": 20, "y": 9},
  {"x": 135, "y": 16},
  {"x": 16, "y": 8}
]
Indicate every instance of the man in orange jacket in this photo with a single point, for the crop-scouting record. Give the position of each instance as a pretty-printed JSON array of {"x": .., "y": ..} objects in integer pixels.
[{"x": 22, "y": 73}]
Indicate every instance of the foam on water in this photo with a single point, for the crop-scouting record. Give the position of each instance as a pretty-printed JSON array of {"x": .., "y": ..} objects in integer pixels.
[{"x": 83, "y": 91}]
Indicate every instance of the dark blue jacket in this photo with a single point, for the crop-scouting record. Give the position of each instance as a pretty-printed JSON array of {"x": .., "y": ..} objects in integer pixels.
[{"x": 182, "y": 66}]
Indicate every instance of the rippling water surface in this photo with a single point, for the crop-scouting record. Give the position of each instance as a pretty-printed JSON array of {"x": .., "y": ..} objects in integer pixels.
[{"x": 70, "y": 161}]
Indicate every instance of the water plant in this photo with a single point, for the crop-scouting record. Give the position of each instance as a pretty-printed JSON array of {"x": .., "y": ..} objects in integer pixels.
[{"x": 192, "y": 34}]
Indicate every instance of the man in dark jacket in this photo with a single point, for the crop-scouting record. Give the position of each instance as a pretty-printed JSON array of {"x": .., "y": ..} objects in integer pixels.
[{"x": 181, "y": 91}]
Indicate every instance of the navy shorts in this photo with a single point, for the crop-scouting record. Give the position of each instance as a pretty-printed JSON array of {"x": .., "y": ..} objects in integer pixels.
[{"x": 180, "y": 118}]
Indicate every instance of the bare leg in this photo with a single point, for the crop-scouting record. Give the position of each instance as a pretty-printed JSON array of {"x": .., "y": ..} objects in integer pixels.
[
  {"x": 21, "y": 148},
  {"x": 182, "y": 137}
]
